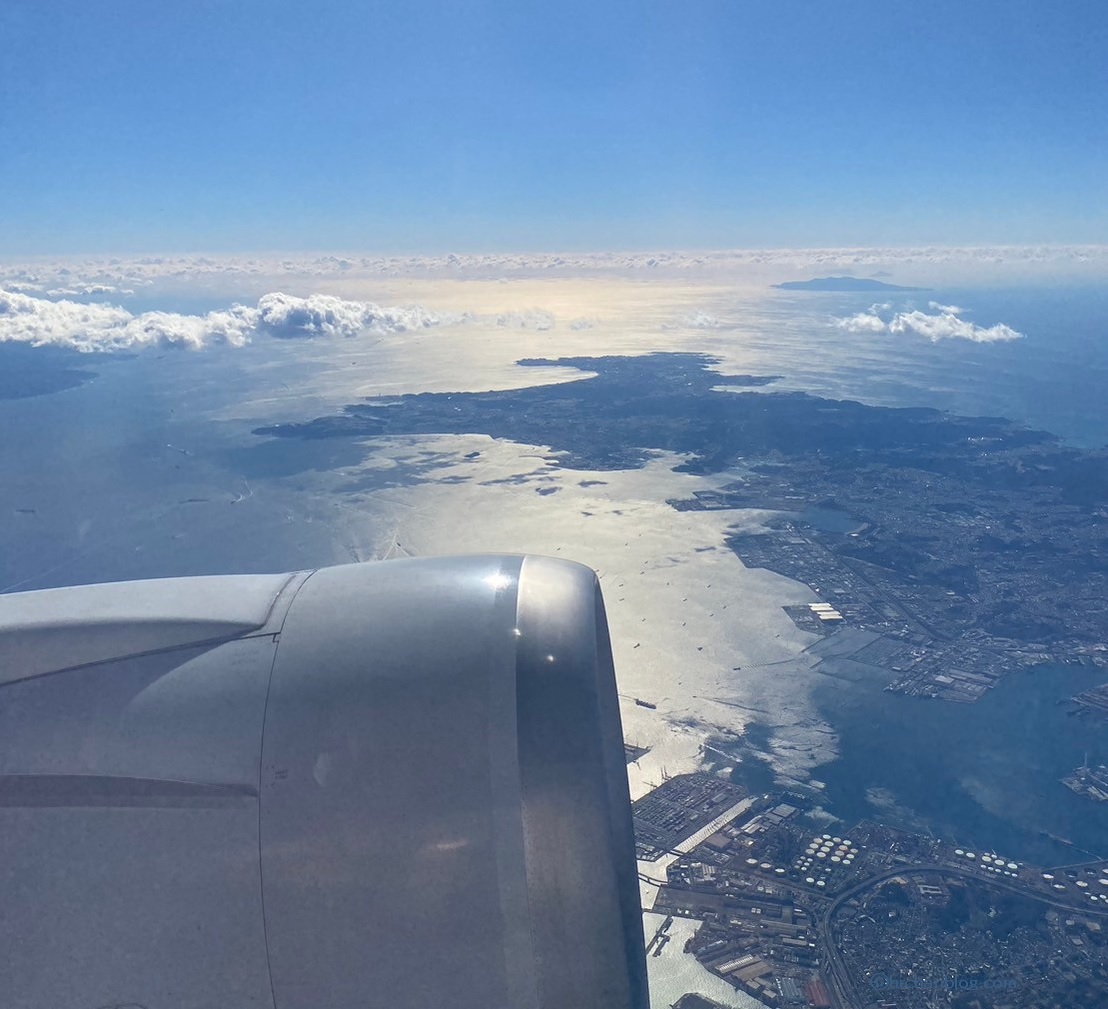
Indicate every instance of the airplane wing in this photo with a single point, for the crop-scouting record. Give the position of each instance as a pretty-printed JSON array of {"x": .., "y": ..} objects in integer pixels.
[{"x": 398, "y": 784}]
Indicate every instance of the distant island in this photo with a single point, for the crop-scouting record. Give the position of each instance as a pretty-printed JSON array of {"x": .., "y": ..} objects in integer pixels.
[{"x": 842, "y": 284}]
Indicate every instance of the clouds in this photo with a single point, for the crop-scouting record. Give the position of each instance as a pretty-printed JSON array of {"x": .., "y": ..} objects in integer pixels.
[
  {"x": 698, "y": 320},
  {"x": 951, "y": 309},
  {"x": 76, "y": 277},
  {"x": 946, "y": 324},
  {"x": 283, "y": 315},
  {"x": 535, "y": 318},
  {"x": 702, "y": 320},
  {"x": 864, "y": 322},
  {"x": 103, "y": 327}
]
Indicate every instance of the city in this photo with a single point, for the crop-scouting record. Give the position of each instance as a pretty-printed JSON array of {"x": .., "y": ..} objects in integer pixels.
[
  {"x": 952, "y": 585},
  {"x": 868, "y": 917}
]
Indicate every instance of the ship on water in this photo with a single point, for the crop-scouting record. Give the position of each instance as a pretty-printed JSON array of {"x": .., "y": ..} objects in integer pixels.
[{"x": 1089, "y": 781}]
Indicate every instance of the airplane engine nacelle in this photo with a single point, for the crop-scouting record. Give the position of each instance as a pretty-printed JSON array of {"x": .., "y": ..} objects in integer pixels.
[{"x": 398, "y": 784}]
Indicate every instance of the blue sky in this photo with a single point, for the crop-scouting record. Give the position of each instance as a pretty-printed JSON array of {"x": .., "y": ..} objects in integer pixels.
[{"x": 491, "y": 126}]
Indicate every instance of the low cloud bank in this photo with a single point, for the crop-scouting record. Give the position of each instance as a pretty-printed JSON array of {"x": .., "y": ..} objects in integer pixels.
[
  {"x": 103, "y": 327},
  {"x": 946, "y": 324},
  {"x": 78, "y": 276}
]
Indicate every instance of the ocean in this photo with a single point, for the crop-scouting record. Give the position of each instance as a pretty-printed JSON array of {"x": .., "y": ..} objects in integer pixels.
[{"x": 151, "y": 468}]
